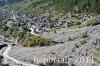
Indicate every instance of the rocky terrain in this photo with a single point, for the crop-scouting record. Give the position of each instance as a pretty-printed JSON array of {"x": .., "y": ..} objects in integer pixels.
[
  {"x": 73, "y": 43},
  {"x": 47, "y": 32}
]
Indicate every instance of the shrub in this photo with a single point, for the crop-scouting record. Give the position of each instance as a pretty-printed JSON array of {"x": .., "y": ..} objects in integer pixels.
[
  {"x": 84, "y": 35},
  {"x": 21, "y": 35},
  {"x": 82, "y": 41},
  {"x": 98, "y": 47},
  {"x": 68, "y": 25},
  {"x": 56, "y": 64},
  {"x": 4, "y": 65},
  {"x": 97, "y": 21},
  {"x": 90, "y": 22},
  {"x": 36, "y": 41},
  {"x": 74, "y": 24},
  {"x": 77, "y": 23},
  {"x": 97, "y": 41},
  {"x": 98, "y": 44},
  {"x": 5, "y": 28},
  {"x": 94, "y": 21}
]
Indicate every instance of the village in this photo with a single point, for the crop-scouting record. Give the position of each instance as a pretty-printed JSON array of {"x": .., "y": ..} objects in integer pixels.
[{"x": 45, "y": 22}]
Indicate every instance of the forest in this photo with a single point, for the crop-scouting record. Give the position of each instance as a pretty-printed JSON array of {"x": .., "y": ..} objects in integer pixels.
[{"x": 90, "y": 6}]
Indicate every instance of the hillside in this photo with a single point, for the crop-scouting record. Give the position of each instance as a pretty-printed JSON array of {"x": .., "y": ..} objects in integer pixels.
[
  {"x": 37, "y": 7},
  {"x": 78, "y": 5},
  {"x": 89, "y": 6},
  {"x": 54, "y": 5},
  {"x": 44, "y": 30}
]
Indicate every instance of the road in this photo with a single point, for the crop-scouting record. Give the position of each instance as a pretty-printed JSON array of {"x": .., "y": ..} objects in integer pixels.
[{"x": 6, "y": 56}]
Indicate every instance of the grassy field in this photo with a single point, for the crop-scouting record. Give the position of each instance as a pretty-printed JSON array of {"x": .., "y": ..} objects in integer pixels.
[{"x": 73, "y": 19}]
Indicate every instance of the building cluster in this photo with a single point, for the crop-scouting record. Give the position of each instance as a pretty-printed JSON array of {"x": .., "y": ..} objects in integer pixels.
[{"x": 44, "y": 22}]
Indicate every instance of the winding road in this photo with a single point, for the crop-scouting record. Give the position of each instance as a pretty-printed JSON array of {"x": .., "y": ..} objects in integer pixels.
[{"x": 6, "y": 56}]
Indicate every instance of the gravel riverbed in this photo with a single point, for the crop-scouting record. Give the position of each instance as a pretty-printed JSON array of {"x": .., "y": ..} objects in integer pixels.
[{"x": 69, "y": 48}]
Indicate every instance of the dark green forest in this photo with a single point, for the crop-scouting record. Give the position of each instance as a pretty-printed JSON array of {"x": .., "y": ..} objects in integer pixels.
[{"x": 77, "y": 5}]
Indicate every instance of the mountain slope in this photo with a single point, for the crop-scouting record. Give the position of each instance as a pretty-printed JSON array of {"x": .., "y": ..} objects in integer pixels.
[
  {"x": 37, "y": 7},
  {"x": 68, "y": 5},
  {"x": 54, "y": 5}
]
